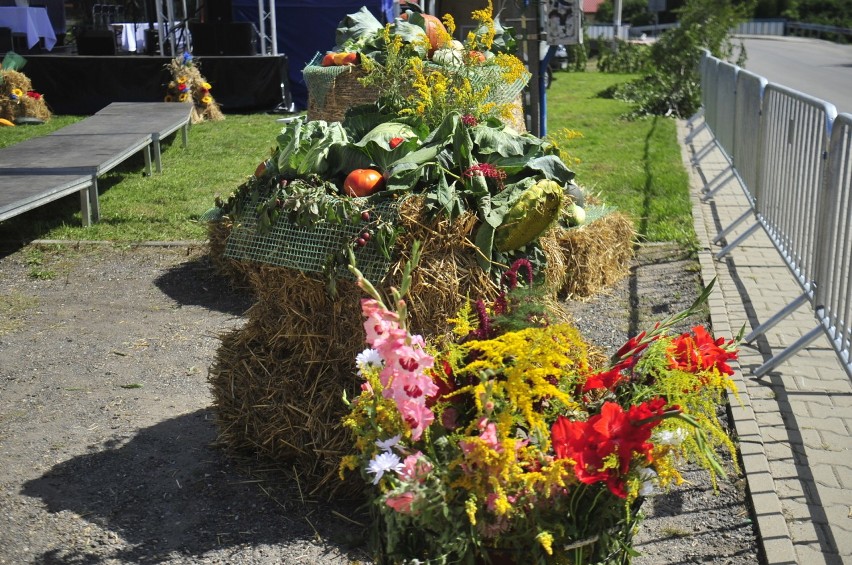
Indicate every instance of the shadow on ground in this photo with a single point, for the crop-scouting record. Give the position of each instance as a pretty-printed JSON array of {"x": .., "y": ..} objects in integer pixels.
[{"x": 167, "y": 491}]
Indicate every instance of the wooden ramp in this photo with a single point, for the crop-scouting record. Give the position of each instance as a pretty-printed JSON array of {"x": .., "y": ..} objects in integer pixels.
[{"x": 73, "y": 157}]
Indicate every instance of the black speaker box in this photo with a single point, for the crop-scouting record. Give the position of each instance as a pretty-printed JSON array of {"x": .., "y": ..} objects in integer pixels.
[
  {"x": 96, "y": 42},
  {"x": 219, "y": 11},
  {"x": 221, "y": 39},
  {"x": 204, "y": 38},
  {"x": 238, "y": 38}
]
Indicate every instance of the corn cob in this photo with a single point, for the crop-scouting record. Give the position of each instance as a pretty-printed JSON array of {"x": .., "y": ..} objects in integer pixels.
[{"x": 535, "y": 210}]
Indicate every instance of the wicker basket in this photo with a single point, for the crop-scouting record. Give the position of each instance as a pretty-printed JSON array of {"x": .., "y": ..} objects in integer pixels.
[
  {"x": 333, "y": 90},
  {"x": 344, "y": 92}
]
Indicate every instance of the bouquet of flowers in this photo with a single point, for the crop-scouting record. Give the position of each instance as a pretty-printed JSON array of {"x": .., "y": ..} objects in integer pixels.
[
  {"x": 504, "y": 443},
  {"x": 189, "y": 86}
]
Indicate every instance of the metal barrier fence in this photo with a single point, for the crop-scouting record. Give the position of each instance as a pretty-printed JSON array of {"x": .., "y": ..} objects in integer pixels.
[
  {"x": 796, "y": 176},
  {"x": 832, "y": 302}
]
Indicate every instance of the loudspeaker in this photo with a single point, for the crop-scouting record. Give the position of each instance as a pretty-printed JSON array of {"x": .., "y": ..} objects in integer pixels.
[
  {"x": 238, "y": 38},
  {"x": 219, "y": 11},
  {"x": 222, "y": 39},
  {"x": 96, "y": 42},
  {"x": 204, "y": 38}
]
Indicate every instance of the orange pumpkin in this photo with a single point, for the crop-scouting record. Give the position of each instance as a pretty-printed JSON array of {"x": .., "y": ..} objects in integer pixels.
[{"x": 435, "y": 31}]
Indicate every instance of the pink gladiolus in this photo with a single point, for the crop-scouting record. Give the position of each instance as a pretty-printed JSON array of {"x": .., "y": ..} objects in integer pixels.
[
  {"x": 417, "y": 416},
  {"x": 415, "y": 468},
  {"x": 401, "y": 502}
]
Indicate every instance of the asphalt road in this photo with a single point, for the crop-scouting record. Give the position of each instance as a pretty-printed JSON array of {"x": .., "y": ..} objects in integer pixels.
[{"x": 818, "y": 68}]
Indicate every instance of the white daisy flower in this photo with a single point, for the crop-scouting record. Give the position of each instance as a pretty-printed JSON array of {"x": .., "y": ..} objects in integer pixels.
[
  {"x": 388, "y": 444},
  {"x": 383, "y": 463},
  {"x": 367, "y": 359}
]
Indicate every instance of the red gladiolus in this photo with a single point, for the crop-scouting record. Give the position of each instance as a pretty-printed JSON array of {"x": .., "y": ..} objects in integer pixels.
[
  {"x": 613, "y": 433},
  {"x": 604, "y": 380},
  {"x": 699, "y": 352}
]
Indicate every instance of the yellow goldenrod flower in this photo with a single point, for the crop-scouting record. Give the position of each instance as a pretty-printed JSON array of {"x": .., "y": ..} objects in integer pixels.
[
  {"x": 546, "y": 541},
  {"x": 470, "y": 507}
]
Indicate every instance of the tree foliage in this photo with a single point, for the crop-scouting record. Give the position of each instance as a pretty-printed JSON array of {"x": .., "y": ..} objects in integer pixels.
[{"x": 671, "y": 84}]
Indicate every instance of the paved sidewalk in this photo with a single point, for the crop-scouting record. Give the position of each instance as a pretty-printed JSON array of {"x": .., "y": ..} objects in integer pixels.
[{"x": 794, "y": 423}]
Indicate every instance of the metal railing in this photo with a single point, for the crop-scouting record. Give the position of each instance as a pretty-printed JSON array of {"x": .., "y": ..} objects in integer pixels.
[
  {"x": 791, "y": 153},
  {"x": 832, "y": 302}
]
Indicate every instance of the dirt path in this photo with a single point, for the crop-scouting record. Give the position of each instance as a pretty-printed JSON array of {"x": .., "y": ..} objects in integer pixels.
[{"x": 107, "y": 441}]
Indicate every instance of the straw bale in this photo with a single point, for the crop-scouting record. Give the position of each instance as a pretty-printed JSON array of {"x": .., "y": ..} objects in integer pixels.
[
  {"x": 237, "y": 272},
  {"x": 596, "y": 255},
  {"x": 26, "y": 106},
  {"x": 278, "y": 381},
  {"x": 14, "y": 79}
]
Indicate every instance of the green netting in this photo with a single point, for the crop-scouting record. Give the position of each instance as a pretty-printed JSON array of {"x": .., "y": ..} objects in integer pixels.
[
  {"x": 597, "y": 211},
  {"x": 309, "y": 249}
]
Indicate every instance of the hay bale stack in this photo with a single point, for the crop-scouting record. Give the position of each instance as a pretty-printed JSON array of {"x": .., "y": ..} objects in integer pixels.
[
  {"x": 597, "y": 255},
  {"x": 26, "y": 105},
  {"x": 237, "y": 272},
  {"x": 278, "y": 381}
]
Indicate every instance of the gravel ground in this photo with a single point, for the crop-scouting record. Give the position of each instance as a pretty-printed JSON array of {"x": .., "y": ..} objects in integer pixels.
[{"x": 107, "y": 438}]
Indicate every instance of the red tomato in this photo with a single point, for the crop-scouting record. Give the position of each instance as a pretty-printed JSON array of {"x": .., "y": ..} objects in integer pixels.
[
  {"x": 363, "y": 182},
  {"x": 476, "y": 57},
  {"x": 328, "y": 60}
]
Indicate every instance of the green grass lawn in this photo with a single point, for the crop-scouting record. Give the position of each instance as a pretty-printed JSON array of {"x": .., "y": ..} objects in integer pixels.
[{"x": 634, "y": 165}]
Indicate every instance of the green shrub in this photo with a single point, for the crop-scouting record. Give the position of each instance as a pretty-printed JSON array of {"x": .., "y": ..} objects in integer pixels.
[
  {"x": 624, "y": 57},
  {"x": 671, "y": 85}
]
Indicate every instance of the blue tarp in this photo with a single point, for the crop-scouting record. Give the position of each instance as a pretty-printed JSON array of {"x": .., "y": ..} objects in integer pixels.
[{"x": 306, "y": 27}]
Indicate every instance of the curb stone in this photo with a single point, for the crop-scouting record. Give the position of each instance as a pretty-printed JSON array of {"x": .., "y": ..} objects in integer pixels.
[{"x": 773, "y": 534}]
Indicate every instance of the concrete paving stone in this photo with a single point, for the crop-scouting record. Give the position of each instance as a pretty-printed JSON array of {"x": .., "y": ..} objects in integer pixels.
[
  {"x": 809, "y": 555},
  {"x": 844, "y": 475},
  {"x": 837, "y": 439},
  {"x": 780, "y": 552},
  {"x": 838, "y": 510},
  {"x": 821, "y": 457},
  {"x": 760, "y": 392},
  {"x": 798, "y": 489},
  {"x": 803, "y": 511},
  {"x": 760, "y": 480},
  {"x": 842, "y": 401},
  {"x": 806, "y": 422},
  {"x": 783, "y": 469},
  {"x": 806, "y": 532},
  {"x": 775, "y": 435},
  {"x": 825, "y": 478}
]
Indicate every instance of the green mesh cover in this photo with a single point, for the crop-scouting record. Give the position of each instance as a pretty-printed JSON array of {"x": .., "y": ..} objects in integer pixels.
[
  {"x": 308, "y": 249},
  {"x": 597, "y": 211}
]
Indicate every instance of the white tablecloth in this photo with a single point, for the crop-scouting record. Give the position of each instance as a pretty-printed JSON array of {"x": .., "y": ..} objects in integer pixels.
[
  {"x": 133, "y": 36},
  {"x": 30, "y": 21}
]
